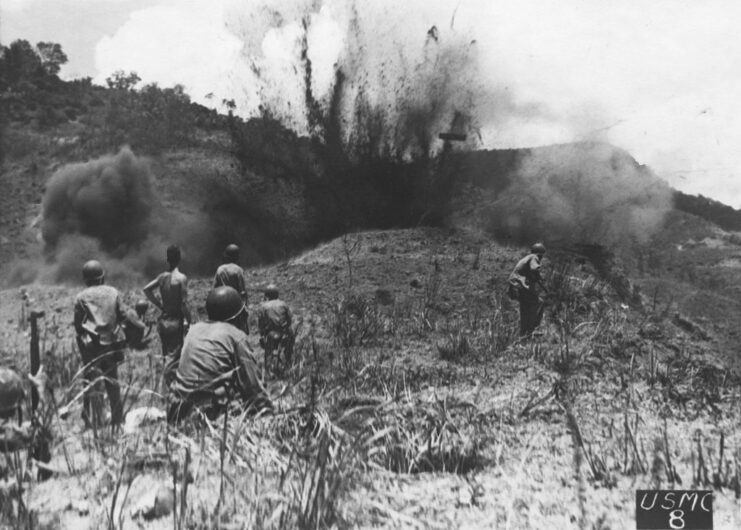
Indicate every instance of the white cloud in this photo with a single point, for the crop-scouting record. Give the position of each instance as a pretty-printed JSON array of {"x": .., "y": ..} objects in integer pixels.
[
  {"x": 658, "y": 78},
  {"x": 174, "y": 43}
]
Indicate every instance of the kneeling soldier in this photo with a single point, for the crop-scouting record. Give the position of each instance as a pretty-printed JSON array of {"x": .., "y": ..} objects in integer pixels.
[{"x": 216, "y": 363}]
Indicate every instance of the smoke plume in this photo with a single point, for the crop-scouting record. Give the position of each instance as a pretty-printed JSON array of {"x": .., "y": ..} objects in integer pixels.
[
  {"x": 589, "y": 193},
  {"x": 106, "y": 209},
  {"x": 374, "y": 77},
  {"x": 109, "y": 199}
]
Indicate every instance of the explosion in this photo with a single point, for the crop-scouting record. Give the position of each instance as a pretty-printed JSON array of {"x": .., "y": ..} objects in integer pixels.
[
  {"x": 109, "y": 199},
  {"x": 107, "y": 209},
  {"x": 584, "y": 193},
  {"x": 390, "y": 91}
]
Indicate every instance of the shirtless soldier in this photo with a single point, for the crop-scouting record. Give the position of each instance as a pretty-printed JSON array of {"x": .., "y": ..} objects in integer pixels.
[{"x": 173, "y": 303}]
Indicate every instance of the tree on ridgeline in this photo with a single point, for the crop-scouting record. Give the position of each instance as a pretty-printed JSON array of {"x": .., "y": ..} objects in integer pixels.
[
  {"x": 120, "y": 80},
  {"x": 19, "y": 62},
  {"x": 52, "y": 57}
]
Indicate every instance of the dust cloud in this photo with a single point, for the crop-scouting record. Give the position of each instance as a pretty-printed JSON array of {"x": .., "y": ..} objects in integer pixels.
[
  {"x": 586, "y": 193},
  {"x": 384, "y": 84},
  {"x": 107, "y": 209},
  {"x": 109, "y": 199}
]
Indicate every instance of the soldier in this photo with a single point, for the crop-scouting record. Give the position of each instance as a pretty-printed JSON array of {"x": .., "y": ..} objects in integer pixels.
[
  {"x": 274, "y": 324},
  {"x": 173, "y": 304},
  {"x": 522, "y": 287},
  {"x": 98, "y": 320},
  {"x": 232, "y": 275},
  {"x": 217, "y": 363}
]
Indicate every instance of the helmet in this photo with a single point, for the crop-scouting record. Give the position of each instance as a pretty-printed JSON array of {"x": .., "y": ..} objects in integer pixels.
[
  {"x": 92, "y": 270},
  {"x": 271, "y": 291},
  {"x": 224, "y": 304},
  {"x": 231, "y": 252},
  {"x": 538, "y": 248},
  {"x": 11, "y": 392},
  {"x": 141, "y": 306}
]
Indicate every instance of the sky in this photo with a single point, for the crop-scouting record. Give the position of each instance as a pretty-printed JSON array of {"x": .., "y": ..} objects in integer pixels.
[{"x": 659, "y": 78}]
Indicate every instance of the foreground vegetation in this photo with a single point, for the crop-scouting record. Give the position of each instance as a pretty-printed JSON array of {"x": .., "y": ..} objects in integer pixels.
[{"x": 410, "y": 403}]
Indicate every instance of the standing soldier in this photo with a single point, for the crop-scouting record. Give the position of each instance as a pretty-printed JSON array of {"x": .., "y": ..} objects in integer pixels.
[
  {"x": 274, "y": 324},
  {"x": 173, "y": 304},
  {"x": 217, "y": 363},
  {"x": 232, "y": 275},
  {"x": 98, "y": 319},
  {"x": 522, "y": 287}
]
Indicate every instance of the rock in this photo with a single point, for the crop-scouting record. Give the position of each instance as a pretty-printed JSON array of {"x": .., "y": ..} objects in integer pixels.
[
  {"x": 139, "y": 417},
  {"x": 415, "y": 283},
  {"x": 157, "y": 503},
  {"x": 164, "y": 502}
]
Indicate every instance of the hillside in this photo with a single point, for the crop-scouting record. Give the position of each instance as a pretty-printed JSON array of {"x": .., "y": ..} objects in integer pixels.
[
  {"x": 411, "y": 402},
  {"x": 408, "y": 370}
]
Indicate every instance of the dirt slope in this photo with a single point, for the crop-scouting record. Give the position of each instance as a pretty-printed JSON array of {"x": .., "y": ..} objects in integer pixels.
[{"x": 405, "y": 342}]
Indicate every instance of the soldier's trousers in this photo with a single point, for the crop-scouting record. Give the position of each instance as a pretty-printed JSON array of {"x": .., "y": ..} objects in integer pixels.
[
  {"x": 531, "y": 312},
  {"x": 101, "y": 363},
  {"x": 171, "y": 336}
]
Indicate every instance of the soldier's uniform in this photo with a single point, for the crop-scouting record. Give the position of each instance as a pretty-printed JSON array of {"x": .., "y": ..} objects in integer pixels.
[
  {"x": 274, "y": 324},
  {"x": 216, "y": 364},
  {"x": 98, "y": 319},
  {"x": 523, "y": 283},
  {"x": 232, "y": 275}
]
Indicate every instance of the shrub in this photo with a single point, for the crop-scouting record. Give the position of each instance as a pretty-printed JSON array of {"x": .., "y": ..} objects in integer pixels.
[
  {"x": 355, "y": 320},
  {"x": 454, "y": 347}
]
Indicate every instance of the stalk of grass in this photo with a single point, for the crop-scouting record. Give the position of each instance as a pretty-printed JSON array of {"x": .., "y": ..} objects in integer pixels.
[{"x": 119, "y": 479}]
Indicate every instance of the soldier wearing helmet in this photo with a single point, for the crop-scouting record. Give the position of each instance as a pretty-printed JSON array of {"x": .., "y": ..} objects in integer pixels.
[
  {"x": 232, "y": 275},
  {"x": 274, "y": 324},
  {"x": 522, "y": 286},
  {"x": 217, "y": 362},
  {"x": 98, "y": 320},
  {"x": 173, "y": 305}
]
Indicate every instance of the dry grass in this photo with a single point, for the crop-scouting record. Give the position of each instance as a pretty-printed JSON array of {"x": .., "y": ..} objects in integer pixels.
[{"x": 425, "y": 411}]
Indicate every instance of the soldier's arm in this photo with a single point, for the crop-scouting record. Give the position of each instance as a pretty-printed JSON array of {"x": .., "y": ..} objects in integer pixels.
[
  {"x": 149, "y": 292},
  {"x": 79, "y": 317},
  {"x": 535, "y": 269},
  {"x": 185, "y": 308}
]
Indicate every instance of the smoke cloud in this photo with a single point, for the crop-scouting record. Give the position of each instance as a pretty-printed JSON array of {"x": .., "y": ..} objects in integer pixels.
[
  {"x": 109, "y": 199},
  {"x": 107, "y": 209},
  {"x": 396, "y": 81},
  {"x": 590, "y": 193},
  {"x": 371, "y": 76}
]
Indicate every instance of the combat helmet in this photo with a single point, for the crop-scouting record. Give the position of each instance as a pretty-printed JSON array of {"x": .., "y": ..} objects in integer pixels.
[
  {"x": 271, "y": 291},
  {"x": 538, "y": 248},
  {"x": 92, "y": 271},
  {"x": 11, "y": 392},
  {"x": 231, "y": 252},
  {"x": 224, "y": 304}
]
